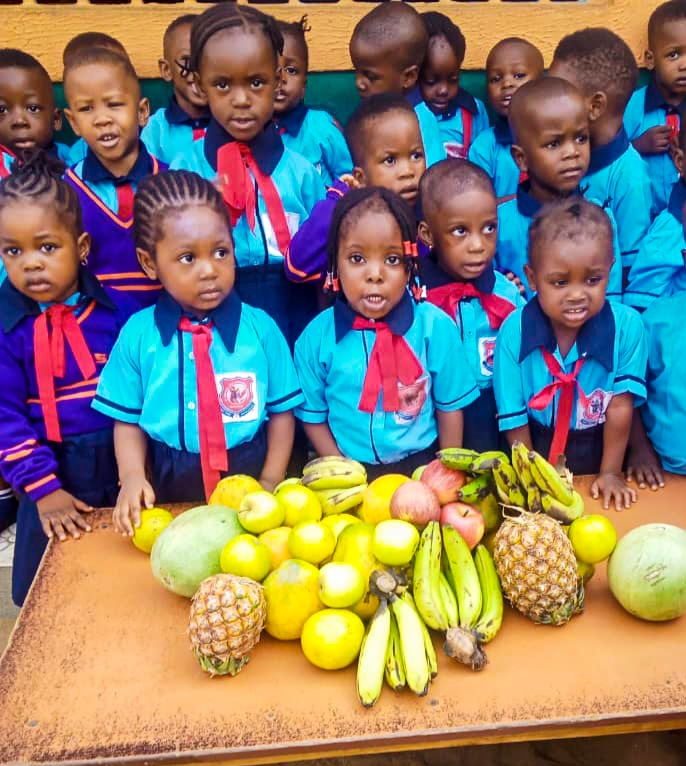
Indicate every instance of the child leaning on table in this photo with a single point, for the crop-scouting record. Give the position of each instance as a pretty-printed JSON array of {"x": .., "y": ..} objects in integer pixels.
[{"x": 200, "y": 384}]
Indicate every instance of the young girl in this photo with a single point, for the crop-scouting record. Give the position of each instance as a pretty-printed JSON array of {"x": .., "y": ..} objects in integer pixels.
[
  {"x": 59, "y": 326},
  {"x": 268, "y": 189},
  {"x": 201, "y": 383},
  {"x": 384, "y": 379}
]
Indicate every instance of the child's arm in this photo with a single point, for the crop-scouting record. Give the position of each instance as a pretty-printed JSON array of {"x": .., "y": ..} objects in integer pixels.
[
  {"x": 130, "y": 448},
  {"x": 643, "y": 464},
  {"x": 60, "y": 515},
  {"x": 322, "y": 439},
  {"x": 655, "y": 140},
  {"x": 450, "y": 428},
  {"x": 280, "y": 433},
  {"x": 520, "y": 434}
]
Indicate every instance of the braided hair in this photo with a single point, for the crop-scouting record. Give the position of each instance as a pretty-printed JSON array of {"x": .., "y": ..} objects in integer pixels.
[
  {"x": 376, "y": 198},
  {"x": 168, "y": 193},
  {"x": 297, "y": 30}
]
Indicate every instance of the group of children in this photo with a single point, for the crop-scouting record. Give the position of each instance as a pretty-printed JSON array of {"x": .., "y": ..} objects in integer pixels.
[{"x": 192, "y": 293}]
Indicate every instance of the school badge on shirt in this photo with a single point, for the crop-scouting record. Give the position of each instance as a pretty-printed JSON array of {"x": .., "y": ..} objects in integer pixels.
[
  {"x": 593, "y": 413},
  {"x": 412, "y": 400},
  {"x": 237, "y": 396},
  {"x": 455, "y": 151},
  {"x": 486, "y": 355}
]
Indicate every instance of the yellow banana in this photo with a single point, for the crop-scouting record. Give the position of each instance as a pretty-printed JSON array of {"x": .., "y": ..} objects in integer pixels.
[
  {"x": 486, "y": 461},
  {"x": 475, "y": 490},
  {"x": 507, "y": 484},
  {"x": 412, "y": 648},
  {"x": 340, "y": 500},
  {"x": 534, "y": 499},
  {"x": 465, "y": 577},
  {"x": 332, "y": 460},
  {"x": 371, "y": 664},
  {"x": 491, "y": 617},
  {"x": 457, "y": 458},
  {"x": 490, "y": 510},
  {"x": 334, "y": 477},
  {"x": 520, "y": 462},
  {"x": 549, "y": 480},
  {"x": 431, "y": 656},
  {"x": 395, "y": 670},
  {"x": 426, "y": 578},
  {"x": 561, "y": 512},
  {"x": 449, "y": 601}
]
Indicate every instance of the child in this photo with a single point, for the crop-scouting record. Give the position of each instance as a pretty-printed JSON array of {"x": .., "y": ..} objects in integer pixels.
[
  {"x": 106, "y": 109},
  {"x": 601, "y": 65},
  {"x": 268, "y": 188},
  {"x": 570, "y": 366},
  {"x": 313, "y": 133},
  {"x": 549, "y": 122},
  {"x": 384, "y": 380},
  {"x": 651, "y": 118},
  {"x": 225, "y": 363},
  {"x": 174, "y": 127},
  {"x": 59, "y": 326},
  {"x": 386, "y": 145},
  {"x": 460, "y": 226},
  {"x": 387, "y": 49},
  {"x": 460, "y": 116},
  {"x": 510, "y": 64}
]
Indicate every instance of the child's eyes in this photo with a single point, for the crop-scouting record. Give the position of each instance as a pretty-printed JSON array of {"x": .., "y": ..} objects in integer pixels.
[
  {"x": 520, "y": 75},
  {"x": 84, "y": 109},
  {"x": 11, "y": 251},
  {"x": 417, "y": 155},
  {"x": 553, "y": 144},
  {"x": 221, "y": 85},
  {"x": 559, "y": 282},
  {"x": 115, "y": 104},
  {"x": 673, "y": 55},
  {"x": 582, "y": 138},
  {"x": 34, "y": 108},
  {"x": 291, "y": 70},
  {"x": 394, "y": 260},
  {"x": 356, "y": 258},
  {"x": 371, "y": 76},
  {"x": 221, "y": 253},
  {"x": 594, "y": 280},
  {"x": 389, "y": 160},
  {"x": 459, "y": 231},
  {"x": 495, "y": 78},
  {"x": 48, "y": 247},
  {"x": 257, "y": 82},
  {"x": 490, "y": 228},
  {"x": 186, "y": 258}
]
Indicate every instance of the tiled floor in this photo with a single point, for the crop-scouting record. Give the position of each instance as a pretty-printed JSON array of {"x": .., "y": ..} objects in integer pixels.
[
  {"x": 7, "y": 546},
  {"x": 8, "y": 612}
]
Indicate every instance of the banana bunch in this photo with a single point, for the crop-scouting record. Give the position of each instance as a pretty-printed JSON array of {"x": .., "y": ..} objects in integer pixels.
[{"x": 338, "y": 482}]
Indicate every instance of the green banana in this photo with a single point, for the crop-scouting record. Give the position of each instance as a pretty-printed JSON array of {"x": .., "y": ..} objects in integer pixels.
[
  {"x": 426, "y": 578},
  {"x": 486, "y": 461},
  {"x": 534, "y": 499},
  {"x": 332, "y": 460},
  {"x": 465, "y": 576},
  {"x": 549, "y": 480},
  {"x": 340, "y": 500},
  {"x": 337, "y": 476},
  {"x": 457, "y": 458},
  {"x": 561, "y": 512},
  {"x": 412, "y": 647},
  {"x": 431, "y": 656},
  {"x": 449, "y": 601},
  {"x": 491, "y": 617},
  {"x": 371, "y": 664},
  {"x": 520, "y": 462},
  {"x": 507, "y": 484},
  {"x": 475, "y": 490},
  {"x": 395, "y": 670},
  {"x": 490, "y": 510}
]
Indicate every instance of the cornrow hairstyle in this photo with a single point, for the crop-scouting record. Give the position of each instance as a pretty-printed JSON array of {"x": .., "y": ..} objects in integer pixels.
[
  {"x": 230, "y": 16},
  {"x": 439, "y": 25},
  {"x": 89, "y": 40},
  {"x": 603, "y": 62},
  {"x": 451, "y": 177},
  {"x": 86, "y": 57},
  {"x": 371, "y": 109},
  {"x": 297, "y": 30},
  {"x": 674, "y": 10},
  {"x": 16, "y": 59},
  {"x": 395, "y": 29},
  {"x": 38, "y": 176},
  {"x": 167, "y": 193},
  {"x": 351, "y": 207}
]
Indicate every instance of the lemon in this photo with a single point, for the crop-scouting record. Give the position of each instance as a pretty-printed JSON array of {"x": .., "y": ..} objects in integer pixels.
[
  {"x": 231, "y": 490},
  {"x": 153, "y": 521},
  {"x": 292, "y": 593},
  {"x": 277, "y": 542},
  {"x": 246, "y": 556},
  {"x": 311, "y": 541},
  {"x": 376, "y": 501},
  {"x": 395, "y": 542},
  {"x": 354, "y": 546},
  {"x": 593, "y": 538},
  {"x": 331, "y": 639},
  {"x": 341, "y": 584}
]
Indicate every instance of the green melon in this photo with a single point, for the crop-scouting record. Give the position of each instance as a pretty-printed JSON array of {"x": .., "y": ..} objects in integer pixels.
[{"x": 188, "y": 550}]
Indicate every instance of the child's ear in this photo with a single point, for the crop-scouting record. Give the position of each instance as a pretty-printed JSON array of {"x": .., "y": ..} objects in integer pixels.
[
  {"x": 530, "y": 278},
  {"x": 649, "y": 59},
  {"x": 143, "y": 112},
  {"x": 70, "y": 119},
  {"x": 519, "y": 157},
  {"x": 597, "y": 105},
  {"x": 57, "y": 120},
  {"x": 165, "y": 70},
  {"x": 409, "y": 77},
  {"x": 83, "y": 246},
  {"x": 147, "y": 263},
  {"x": 678, "y": 159},
  {"x": 360, "y": 176},
  {"x": 425, "y": 234}
]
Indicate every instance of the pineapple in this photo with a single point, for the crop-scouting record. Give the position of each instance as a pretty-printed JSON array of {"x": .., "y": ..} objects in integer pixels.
[
  {"x": 227, "y": 617},
  {"x": 537, "y": 568}
]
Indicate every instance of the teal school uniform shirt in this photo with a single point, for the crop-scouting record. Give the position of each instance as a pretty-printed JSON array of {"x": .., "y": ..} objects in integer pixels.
[
  {"x": 77, "y": 152},
  {"x": 150, "y": 378},
  {"x": 170, "y": 131},
  {"x": 332, "y": 359},
  {"x": 612, "y": 342},
  {"x": 465, "y": 119},
  {"x": 492, "y": 151},
  {"x": 434, "y": 151}
]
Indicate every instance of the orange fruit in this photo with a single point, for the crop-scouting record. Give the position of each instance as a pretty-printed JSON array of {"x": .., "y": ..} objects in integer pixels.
[
  {"x": 277, "y": 542},
  {"x": 376, "y": 501}
]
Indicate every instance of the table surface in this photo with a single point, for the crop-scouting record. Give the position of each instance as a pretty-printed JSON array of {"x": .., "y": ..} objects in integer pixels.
[{"x": 99, "y": 669}]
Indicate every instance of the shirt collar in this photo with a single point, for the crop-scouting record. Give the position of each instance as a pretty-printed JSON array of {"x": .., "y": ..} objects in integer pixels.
[
  {"x": 655, "y": 100},
  {"x": 503, "y": 134},
  {"x": 292, "y": 121},
  {"x": 414, "y": 96},
  {"x": 528, "y": 206},
  {"x": 175, "y": 115},
  {"x": 605, "y": 155},
  {"x": 226, "y": 318},
  {"x": 94, "y": 171},
  {"x": 15, "y": 306},
  {"x": 399, "y": 319},
  {"x": 596, "y": 338},
  {"x": 463, "y": 100},
  {"x": 434, "y": 276},
  {"x": 266, "y": 147},
  {"x": 677, "y": 199}
]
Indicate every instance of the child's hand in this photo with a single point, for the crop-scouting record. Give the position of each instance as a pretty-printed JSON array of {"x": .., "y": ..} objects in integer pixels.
[
  {"x": 134, "y": 489},
  {"x": 655, "y": 140},
  {"x": 516, "y": 281},
  {"x": 60, "y": 515},
  {"x": 349, "y": 178},
  {"x": 643, "y": 467},
  {"x": 613, "y": 487},
  {"x": 269, "y": 484}
]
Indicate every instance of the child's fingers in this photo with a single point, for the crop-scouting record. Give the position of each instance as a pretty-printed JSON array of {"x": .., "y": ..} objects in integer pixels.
[
  {"x": 58, "y": 528},
  {"x": 594, "y": 490},
  {"x": 69, "y": 524},
  {"x": 135, "y": 514},
  {"x": 148, "y": 495},
  {"x": 123, "y": 511},
  {"x": 80, "y": 522},
  {"x": 47, "y": 527}
]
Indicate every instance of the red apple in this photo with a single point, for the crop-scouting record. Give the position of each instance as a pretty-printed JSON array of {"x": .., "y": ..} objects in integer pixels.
[
  {"x": 466, "y": 519},
  {"x": 444, "y": 481},
  {"x": 415, "y": 502}
]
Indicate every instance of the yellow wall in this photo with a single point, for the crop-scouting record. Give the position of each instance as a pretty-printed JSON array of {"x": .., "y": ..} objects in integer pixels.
[{"x": 43, "y": 30}]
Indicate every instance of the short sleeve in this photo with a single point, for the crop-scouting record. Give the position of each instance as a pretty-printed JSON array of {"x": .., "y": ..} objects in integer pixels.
[
  {"x": 481, "y": 122},
  {"x": 482, "y": 152},
  {"x": 312, "y": 375},
  {"x": 511, "y": 400},
  {"x": 312, "y": 188},
  {"x": 337, "y": 156},
  {"x": 632, "y": 356},
  {"x": 283, "y": 389}
]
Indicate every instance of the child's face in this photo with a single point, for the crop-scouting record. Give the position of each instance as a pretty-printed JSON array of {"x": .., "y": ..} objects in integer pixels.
[
  {"x": 667, "y": 57},
  {"x": 394, "y": 155},
  {"x": 570, "y": 277},
  {"x": 174, "y": 69},
  {"x": 27, "y": 109},
  {"x": 553, "y": 146},
  {"x": 507, "y": 69},
  {"x": 463, "y": 231},
  {"x": 371, "y": 266},
  {"x": 376, "y": 71},
  {"x": 439, "y": 80},
  {"x": 40, "y": 251},
  {"x": 290, "y": 90},
  {"x": 194, "y": 260},
  {"x": 238, "y": 77},
  {"x": 107, "y": 111}
]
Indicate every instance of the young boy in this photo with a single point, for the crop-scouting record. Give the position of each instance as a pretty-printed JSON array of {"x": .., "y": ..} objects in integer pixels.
[
  {"x": 601, "y": 65},
  {"x": 106, "y": 109},
  {"x": 549, "y": 122},
  {"x": 387, "y": 49},
  {"x": 386, "y": 145},
  {"x": 184, "y": 120},
  {"x": 510, "y": 64},
  {"x": 460, "y": 225},
  {"x": 570, "y": 366},
  {"x": 651, "y": 118}
]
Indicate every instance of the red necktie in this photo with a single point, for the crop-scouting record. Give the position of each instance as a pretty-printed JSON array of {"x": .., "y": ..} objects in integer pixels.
[
  {"x": 673, "y": 124},
  {"x": 390, "y": 362},
  {"x": 447, "y": 297},
  {"x": 213, "y": 457},
  {"x": 124, "y": 200},
  {"x": 234, "y": 160},
  {"x": 467, "y": 121},
  {"x": 199, "y": 133},
  {"x": 566, "y": 384},
  {"x": 50, "y": 360}
]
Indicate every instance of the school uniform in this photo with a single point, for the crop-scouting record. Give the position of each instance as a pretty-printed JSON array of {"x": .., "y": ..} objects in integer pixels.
[
  {"x": 491, "y": 150},
  {"x": 664, "y": 411},
  {"x": 152, "y": 380},
  {"x": 266, "y": 210},
  {"x": 607, "y": 359},
  {"x": 7, "y": 157},
  {"x": 514, "y": 219},
  {"x": 647, "y": 109},
  {"x": 465, "y": 118},
  {"x": 76, "y": 152},
  {"x": 434, "y": 151},
  {"x": 658, "y": 270},
  {"x": 49, "y": 436},
  {"x": 316, "y": 136},
  {"x": 170, "y": 131},
  {"x": 107, "y": 209},
  {"x": 339, "y": 359}
]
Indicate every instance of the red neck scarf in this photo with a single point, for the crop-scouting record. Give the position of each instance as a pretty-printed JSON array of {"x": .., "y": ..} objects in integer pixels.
[
  {"x": 390, "y": 362},
  {"x": 448, "y": 296},
  {"x": 566, "y": 384},
  {"x": 213, "y": 456},
  {"x": 50, "y": 359}
]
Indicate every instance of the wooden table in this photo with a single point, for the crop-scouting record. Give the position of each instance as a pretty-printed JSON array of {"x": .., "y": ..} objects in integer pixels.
[{"x": 99, "y": 669}]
